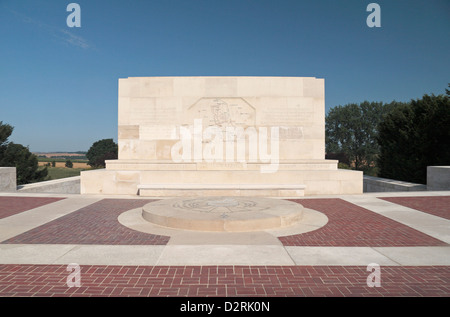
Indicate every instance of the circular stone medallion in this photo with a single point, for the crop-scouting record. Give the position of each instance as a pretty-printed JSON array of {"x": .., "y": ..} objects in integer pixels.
[{"x": 223, "y": 214}]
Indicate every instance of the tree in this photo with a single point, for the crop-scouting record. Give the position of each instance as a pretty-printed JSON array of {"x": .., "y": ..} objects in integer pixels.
[
  {"x": 19, "y": 156},
  {"x": 26, "y": 163},
  {"x": 351, "y": 130},
  {"x": 413, "y": 137},
  {"x": 69, "y": 164},
  {"x": 5, "y": 131},
  {"x": 100, "y": 151}
]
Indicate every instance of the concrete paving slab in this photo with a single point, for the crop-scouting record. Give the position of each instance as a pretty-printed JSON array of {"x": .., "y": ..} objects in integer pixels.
[
  {"x": 224, "y": 255},
  {"x": 221, "y": 255},
  {"x": 337, "y": 256},
  {"x": 112, "y": 255},
  {"x": 417, "y": 255},
  {"x": 32, "y": 253},
  {"x": 81, "y": 254},
  {"x": 221, "y": 238}
]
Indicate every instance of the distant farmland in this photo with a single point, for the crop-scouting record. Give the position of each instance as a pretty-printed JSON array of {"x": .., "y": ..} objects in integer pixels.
[
  {"x": 59, "y": 170},
  {"x": 73, "y": 156},
  {"x": 83, "y": 165}
]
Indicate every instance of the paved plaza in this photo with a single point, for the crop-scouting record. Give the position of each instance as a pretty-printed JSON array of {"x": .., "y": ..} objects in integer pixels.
[{"x": 405, "y": 235}]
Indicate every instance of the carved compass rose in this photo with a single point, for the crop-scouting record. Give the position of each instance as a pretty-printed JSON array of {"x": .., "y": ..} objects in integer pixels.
[{"x": 220, "y": 205}]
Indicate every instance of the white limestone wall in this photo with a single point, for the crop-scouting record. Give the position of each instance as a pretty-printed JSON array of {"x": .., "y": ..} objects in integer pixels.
[
  {"x": 378, "y": 184},
  {"x": 152, "y": 108},
  {"x": 7, "y": 179},
  {"x": 68, "y": 185}
]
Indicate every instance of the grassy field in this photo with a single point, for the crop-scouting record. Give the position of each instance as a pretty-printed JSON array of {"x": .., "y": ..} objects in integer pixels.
[
  {"x": 59, "y": 159},
  {"x": 82, "y": 165},
  {"x": 63, "y": 172}
]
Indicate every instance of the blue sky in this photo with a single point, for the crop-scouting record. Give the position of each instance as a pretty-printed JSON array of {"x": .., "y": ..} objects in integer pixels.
[{"x": 58, "y": 85}]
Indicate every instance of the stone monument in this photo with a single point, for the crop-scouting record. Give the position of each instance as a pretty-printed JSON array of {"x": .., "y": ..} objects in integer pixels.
[{"x": 221, "y": 136}]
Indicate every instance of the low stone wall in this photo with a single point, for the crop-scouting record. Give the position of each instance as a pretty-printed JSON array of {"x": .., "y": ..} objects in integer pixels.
[
  {"x": 377, "y": 184},
  {"x": 438, "y": 177},
  {"x": 69, "y": 185},
  {"x": 7, "y": 179}
]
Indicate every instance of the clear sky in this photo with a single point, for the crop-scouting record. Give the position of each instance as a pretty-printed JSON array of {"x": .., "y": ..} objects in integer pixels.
[{"x": 58, "y": 85}]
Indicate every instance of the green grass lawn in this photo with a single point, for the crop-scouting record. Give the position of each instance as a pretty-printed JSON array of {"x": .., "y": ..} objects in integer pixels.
[{"x": 63, "y": 172}]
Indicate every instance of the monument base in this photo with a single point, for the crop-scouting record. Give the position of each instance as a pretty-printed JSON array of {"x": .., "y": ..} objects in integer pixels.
[
  {"x": 223, "y": 214},
  {"x": 168, "y": 179}
]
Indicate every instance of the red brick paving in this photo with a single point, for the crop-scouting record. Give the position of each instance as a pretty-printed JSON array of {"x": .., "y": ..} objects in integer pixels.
[
  {"x": 435, "y": 205},
  {"x": 230, "y": 281},
  {"x": 93, "y": 224},
  {"x": 351, "y": 225},
  {"x": 13, "y": 205}
]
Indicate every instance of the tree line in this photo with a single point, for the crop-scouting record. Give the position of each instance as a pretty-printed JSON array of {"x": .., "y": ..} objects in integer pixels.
[
  {"x": 396, "y": 140},
  {"x": 26, "y": 163},
  {"x": 19, "y": 156}
]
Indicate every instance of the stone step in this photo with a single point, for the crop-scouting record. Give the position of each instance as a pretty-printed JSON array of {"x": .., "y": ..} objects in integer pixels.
[
  {"x": 160, "y": 165},
  {"x": 197, "y": 190}
]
